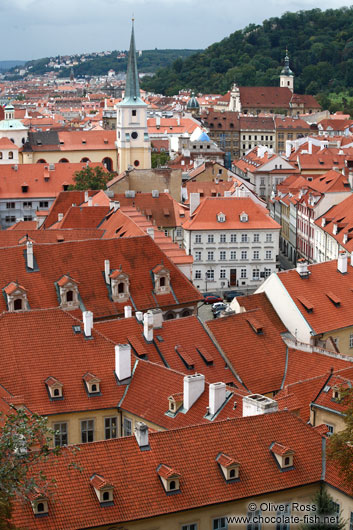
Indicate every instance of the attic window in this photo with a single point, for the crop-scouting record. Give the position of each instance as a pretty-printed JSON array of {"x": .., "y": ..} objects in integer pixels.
[
  {"x": 308, "y": 305},
  {"x": 206, "y": 356},
  {"x": 283, "y": 455},
  {"x": 229, "y": 467},
  {"x": 170, "y": 478},
  {"x": 256, "y": 326},
  {"x": 68, "y": 293},
  {"x": 105, "y": 140},
  {"x": 221, "y": 218},
  {"x": 92, "y": 384},
  {"x": 84, "y": 141},
  {"x": 185, "y": 357},
  {"x": 175, "y": 402},
  {"x": 120, "y": 285},
  {"x": 103, "y": 489},
  {"x": 55, "y": 388},
  {"x": 24, "y": 188},
  {"x": 40, "y": 505},
  {"x": 16, "y": 297},
  {"x": 161, "y": 277},
  {"x": 334, "y": 299},
  {"x": 244, "y": 217}
]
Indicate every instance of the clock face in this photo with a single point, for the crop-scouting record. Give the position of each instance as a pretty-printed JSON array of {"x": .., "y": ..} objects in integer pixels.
[{"x": 134, "y": 135}]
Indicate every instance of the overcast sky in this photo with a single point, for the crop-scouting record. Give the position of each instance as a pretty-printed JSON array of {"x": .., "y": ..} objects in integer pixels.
[{"x": 32, "y": 29}]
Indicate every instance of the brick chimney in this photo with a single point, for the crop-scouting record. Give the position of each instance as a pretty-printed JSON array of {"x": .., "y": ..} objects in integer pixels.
[
  {"x": 148, "y": 326},
  {"x": 141, "y": 435},
  {"x": 87, "y": 323},
  {"x": 194, "y": 385},
  {"x": 217, "y": 396},
  {"x": 30, "y": 257},
  {"x": 123, "y": 361}
]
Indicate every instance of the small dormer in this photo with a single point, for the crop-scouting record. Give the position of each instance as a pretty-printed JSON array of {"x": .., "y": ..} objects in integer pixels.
[
  {"x": 170, "y": 478},
  {"x": 221, "y": 218},
  {"x": 55, "y": 388},
  {"x": 16, "y": 297},
  {"x": 92, "y": 384},
  {"x": 39, "y": 503},
  {"x": 244, "y": 218},
  {"x": 283, "y": 455},
  {"x": 68, "y": 292},
  {"x": 161, "y": 277},
  {"x": 175, "y": 402},
  {"x": 229, "y": 467},
  {"x": 336, "y": 393},
  {"x": 103, "y": 489},
  {"x": 120, "y": 285}
]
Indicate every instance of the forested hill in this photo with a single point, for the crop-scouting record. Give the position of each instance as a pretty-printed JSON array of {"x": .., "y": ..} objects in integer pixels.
[{"x": 320, "y": 46}]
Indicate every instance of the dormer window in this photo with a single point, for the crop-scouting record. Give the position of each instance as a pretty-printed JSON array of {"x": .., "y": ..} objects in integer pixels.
[
  {"x": 161, "y": 277},
  {"x": 120, "y": 285},
  {"x": 54, "y": 387},
  {"x": 16, "y": 297},
  {"x": 175, "y": 402},
  {"x": 92, "y": 384},
  {"x": 336, "y": 393},
  {"x": 39, "y": 504},
  {"x": 221, "y": 218},
  {"x": 68, "y": 293},
  {"x": 103, "y": 489},
  {"x": 244, "y": 217},
  {"x": 229, "y": 466},
  {"x": 170, "y": 478},
  {"x": 283, "y": 455}
]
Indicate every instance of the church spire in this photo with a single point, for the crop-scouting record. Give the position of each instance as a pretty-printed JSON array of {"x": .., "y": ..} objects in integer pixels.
[{"x": 132, "y": 89}]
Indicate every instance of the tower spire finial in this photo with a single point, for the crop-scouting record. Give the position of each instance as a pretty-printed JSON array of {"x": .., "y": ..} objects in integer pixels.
[{"x": 132, "y": 89}]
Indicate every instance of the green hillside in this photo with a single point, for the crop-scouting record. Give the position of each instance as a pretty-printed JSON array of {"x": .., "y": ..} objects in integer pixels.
[{"x": 320, "y": 46}]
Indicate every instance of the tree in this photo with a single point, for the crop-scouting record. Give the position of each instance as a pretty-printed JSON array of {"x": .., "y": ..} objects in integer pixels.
[
  {"x": 24, "y": 442},
  {"x": 159, "y": 159},
  {"x": 325, "y": 517},
  {"x": 91, "y": 178},
  {"x": 340, "y": 448}
]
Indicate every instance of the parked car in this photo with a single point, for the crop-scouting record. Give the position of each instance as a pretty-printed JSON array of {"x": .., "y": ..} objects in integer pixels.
[
  {"x": 208, "y": 294},
  {"x": 229, "y": 295},
  {"x": 211, "y": 299},
  {"x": 219, "y": 306}
]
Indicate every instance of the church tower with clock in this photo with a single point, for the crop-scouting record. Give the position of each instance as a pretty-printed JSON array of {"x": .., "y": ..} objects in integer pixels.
[{"x": 133, "y": 143}]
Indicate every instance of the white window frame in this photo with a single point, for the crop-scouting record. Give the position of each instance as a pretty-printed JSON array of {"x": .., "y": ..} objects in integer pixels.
[
  {"x": 127, "y": 426},
  {"x": 60, "y": 426},
  {"x": 210, "y": 238},
  {"x": 210, "y": 255},
  {"x": 198, "y": 238},
  {"x": 243, "y": 274},
  {"x": 210, "y": 275},
  {"x": 233, "y": 255},
  {"x": 110, "y": 427},
  {"x": 222, "y": 255}
]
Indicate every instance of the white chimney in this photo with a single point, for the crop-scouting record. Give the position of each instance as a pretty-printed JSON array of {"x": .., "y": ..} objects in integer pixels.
[
  {"x": 123, "y": 361},
  {"x": 310, "y": 147},
  {"x": 166, "y": 190},
  {"x": 90, "y": 201},
  {"x": 155, "y": 194},
  {"x": 141, "y": 435},
  {"x": 194, "y": 385},
  {"x": 194, "y": 202},
  {"x": 87, "y": 323},
  {"x": 86, "y": 196},
  {"x": 30, "y": 258},
  {"x": 217, "y": 396},
  {"x": 302, "y": 268},
  {"x": 111, "y": 205},
  {"x": 158, "y": 121},
  {"x": 150, "y": 232},
  {"x": 148, "y": 326},
  {"x": 157, "y": 317},
  {"x": 139, "y": 316},
  {"x": 127, "y": 311},
  {"x": 60, "y": 217},
  {"x": 116, "y": 205},
  {"x": 342, "y": 262},
  {"x": 107, "y": 271},
  {"x": 257, "y": 404}
]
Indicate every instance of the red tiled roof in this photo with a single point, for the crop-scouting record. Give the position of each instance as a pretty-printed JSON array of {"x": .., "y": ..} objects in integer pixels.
[{"x": 280, "y": 449}]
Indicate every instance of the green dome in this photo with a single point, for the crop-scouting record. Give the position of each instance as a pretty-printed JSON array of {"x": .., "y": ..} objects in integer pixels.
[{"x": 192, "y": 103}]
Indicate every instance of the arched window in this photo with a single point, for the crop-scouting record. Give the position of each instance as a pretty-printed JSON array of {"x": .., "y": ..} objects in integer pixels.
[
  {"x": 0, "y": 156},
  {"x": 85, "y": 159},
  {"x": 162, "y": 281},
  {"x": 94, "y": 388},
  {"x": 107, "y": 163},
  {"x": 63, "y": 161},
  {"x": 169, "y": 316},
  {"x": 40, "y": 507},
  {"x": 172, "y": 485},
  {"x": 287, "y": 461},
  {"x": 186, "y": 313},
  {"x": 56, "y": 392},
  {"x": 17, "y": 305},
  {"x": 121, "y": 287},
  {"x": 232, "y": 473},
  {"x": 41, "y": 161},
  {"x": 231, "y": 125},
  {"x": 69, "y": 296},
  {"x": 10, "y": 155},
  {"x": 211, "y": 125},
  {"x": 219, "y": 126},
  {"x": 106, "y": 496}
]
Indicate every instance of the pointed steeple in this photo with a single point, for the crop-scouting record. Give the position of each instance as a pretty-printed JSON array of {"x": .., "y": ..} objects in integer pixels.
[
  {"x": 286, "y": 70},
  {"x": 132, "y": 90}
]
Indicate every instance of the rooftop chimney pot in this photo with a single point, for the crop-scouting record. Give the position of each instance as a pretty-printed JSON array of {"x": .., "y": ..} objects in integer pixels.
[
  {"x": 123, "y": 361},
  {"x": 148, "y": 326},
  {"x": 87, "y": 323},
  {"x": 217, "y": 396},
  {"x": 141, "y": 435},
  {"x": 107, "y": 271},
  {"x": 127, "y": 311},
  {"x": 342, "y": 262},
  {"x": 30, "y": 258},
  {"x": 194, "y": 385}
]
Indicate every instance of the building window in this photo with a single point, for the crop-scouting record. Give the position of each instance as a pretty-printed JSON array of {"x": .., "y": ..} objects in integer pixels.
[
  {"x": 330, "y": 429},
  {"x": 256, "y": 254},
  {"x": 133, "y": 112},
  {"x": 10, "y": 205},
  {"x": 268, "y": 254},
  {"x": 242, "y": 273},
  {"x": 87, "y": 431},
  {"x": 256, "y": 274},
  {"x": 267, "y": 272},
  {"x": 351, "y": 340},
  {"x": 10, "y": 219},
  {"x": 244, "y": 238},
  {"x": 210, "y": 255},
  {"x": 111, "y": 429},
  {"x": 192, "y": 526},
  {"x": 220, "y": 524},
  {"x": 351, "y": 522},
  {"x": 198, "y": 255},
  {"x": 244, "y": 254},
  {"x": 233, "y": 238},
  {"x": 43, "y": 204},
  {"x": 283, "y": 516},
  {"x": 198, "y": 238},
  {"x": 198, "y": 275},
  {"x": 222, "y": 274},
  {"x": 210, "y": 238},
  {"x": 179, "y": 232},
  {"x": 222, "y": 255},
  {"x": 222, "y": 238},
  {"x": 60, "y": 436},
  {"x": 27, "y": 204},
  {"x": 10, "y": 155},
  {"x": 256, "y": 238},
  {"x": 210, "y": 275},
  {"x": 27, "y": 218},
  {"x": 268, "y": 238},
  {"x": 127, "y": 427},
  {"x": 233, "y": 255},
  {"x": 254, "y": 525}
]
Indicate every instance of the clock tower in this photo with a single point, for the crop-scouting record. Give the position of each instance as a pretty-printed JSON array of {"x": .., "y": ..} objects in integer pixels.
[{"x": 133, "y": 143}]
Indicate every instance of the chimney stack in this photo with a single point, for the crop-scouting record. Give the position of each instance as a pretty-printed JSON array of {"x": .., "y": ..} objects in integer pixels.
[
  {"x": 116, "y": 205},
  {"x": 107, "y": 271},
  {"x": 256, "y": 404},
  {"x": 157, "y": 316},
  {"x": 342, "y": 262},
  {"x": 86, "y": 196},
  {"x": 302, "y": 268},
  {"x": 148, "y": 326},
  {"x": 30, "y": 258},
  {"x": 60, "y": 217},
  {"x": 141, "y": 435},
  {"x": 217, "y": 396},
  {"x": 90, "y": 201},
  {"x": 194, "y": 385},
  {"x": 87, "y": 323},
  {"x": 128, "y": 311},
  {"x": 150, "y": 232},
  {"x": 194, "y": 202},
  {"x": 123, "y": 361}
]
